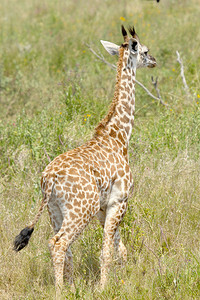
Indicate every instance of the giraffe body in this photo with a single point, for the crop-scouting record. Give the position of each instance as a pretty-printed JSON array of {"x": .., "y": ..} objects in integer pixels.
[{"x": 94, "y": 179}]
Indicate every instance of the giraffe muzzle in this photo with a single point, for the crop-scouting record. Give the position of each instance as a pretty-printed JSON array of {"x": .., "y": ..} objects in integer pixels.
[{"x": 152, "y": 62}]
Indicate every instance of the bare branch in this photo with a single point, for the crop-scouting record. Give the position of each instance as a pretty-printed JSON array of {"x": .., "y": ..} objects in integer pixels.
[
  {"x": 179, "y": 60},
  {"x": 155, "y": 84},
  {"x": 149, "y": 93},
  {"x": 112, "y": 66}
]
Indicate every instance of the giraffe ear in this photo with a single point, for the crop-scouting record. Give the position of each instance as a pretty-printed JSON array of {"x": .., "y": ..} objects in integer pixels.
[
  {"x": 112, "y": 49},
  {"x": 133, "y": 45}
]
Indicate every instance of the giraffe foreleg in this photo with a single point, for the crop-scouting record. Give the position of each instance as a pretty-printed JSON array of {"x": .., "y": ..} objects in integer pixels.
[
  {"x": 118, "y": 244},
  {"x": 119, "y": 247}
]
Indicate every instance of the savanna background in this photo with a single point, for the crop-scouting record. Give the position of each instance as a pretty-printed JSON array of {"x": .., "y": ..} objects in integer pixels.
[{"x": 53, "y": 91}]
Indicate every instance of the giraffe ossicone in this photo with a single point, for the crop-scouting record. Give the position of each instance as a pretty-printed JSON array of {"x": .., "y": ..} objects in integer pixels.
[{"x": 94, "y": 179}]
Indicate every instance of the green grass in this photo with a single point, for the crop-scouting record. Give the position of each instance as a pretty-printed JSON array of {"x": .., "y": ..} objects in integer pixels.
[{"x": 52, "y": 93}]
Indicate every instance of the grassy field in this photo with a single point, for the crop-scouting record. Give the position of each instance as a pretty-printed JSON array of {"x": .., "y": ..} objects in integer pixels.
[{"x": 53, "y": 91}]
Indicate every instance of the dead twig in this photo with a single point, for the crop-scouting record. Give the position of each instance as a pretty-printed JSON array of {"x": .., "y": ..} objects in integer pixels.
[
  {"x": 149, "y": 93},
  {"x": 100, "y": 57},
  {"x": 155, "y": 84},
  {"x": 112, "y": 66},
  {"x": 179, "y": 60}
]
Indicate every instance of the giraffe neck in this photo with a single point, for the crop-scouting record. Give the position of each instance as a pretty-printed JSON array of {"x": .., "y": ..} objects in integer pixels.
[{"x": 118, "y": 122}]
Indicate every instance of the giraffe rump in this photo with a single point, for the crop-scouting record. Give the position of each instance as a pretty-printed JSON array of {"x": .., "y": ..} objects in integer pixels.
[{"x": 23, "y": 238}]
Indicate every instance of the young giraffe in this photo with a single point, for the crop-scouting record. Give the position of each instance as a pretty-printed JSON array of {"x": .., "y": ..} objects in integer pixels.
[{"x": 94, "y": 179}]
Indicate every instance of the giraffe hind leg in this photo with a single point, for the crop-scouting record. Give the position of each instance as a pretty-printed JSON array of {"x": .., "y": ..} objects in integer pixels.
[
  {"x": 56, "y": 218},
  {"x": 59, "y": 246},
  {"x": 68, "y": 233}
]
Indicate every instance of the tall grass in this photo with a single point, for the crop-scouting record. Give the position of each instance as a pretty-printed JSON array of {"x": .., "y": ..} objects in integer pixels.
[{"x": 52, "y": 93}]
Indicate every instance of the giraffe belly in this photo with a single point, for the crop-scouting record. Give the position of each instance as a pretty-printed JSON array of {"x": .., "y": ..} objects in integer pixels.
[{"x": 118, "y": 191}]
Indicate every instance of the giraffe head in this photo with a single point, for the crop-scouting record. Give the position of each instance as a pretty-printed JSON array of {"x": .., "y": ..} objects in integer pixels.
[{"x": 135, "y": 52}]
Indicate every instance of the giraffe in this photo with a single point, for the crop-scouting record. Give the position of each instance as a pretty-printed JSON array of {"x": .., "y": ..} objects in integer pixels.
[{"x": 94, "y": 179}]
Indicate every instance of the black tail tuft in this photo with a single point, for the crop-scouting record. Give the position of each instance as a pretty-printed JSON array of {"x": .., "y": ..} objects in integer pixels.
[{"x": 22, "y": 239}]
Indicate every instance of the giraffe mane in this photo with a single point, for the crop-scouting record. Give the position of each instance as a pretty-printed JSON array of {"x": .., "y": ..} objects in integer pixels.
[{"x": 100, "y": 127}]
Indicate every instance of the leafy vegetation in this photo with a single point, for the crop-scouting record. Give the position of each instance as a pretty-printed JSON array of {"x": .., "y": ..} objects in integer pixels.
[{"x": 52, "y": 93}]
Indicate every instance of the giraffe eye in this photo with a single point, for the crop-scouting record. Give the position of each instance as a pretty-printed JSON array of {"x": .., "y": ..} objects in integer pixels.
[{"x": 146, "y": 52}]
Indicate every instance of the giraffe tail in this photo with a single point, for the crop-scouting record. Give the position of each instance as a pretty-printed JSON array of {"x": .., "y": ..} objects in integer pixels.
[{"x": 22, "y": 239}]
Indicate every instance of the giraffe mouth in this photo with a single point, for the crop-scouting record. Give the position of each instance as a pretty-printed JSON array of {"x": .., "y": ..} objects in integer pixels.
[
  {"x": 152, "y": 62},
  {"x": 152, "y": 65}
]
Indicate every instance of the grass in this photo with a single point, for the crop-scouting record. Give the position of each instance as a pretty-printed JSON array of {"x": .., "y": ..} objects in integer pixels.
[{"x": 52, "y": 94}]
